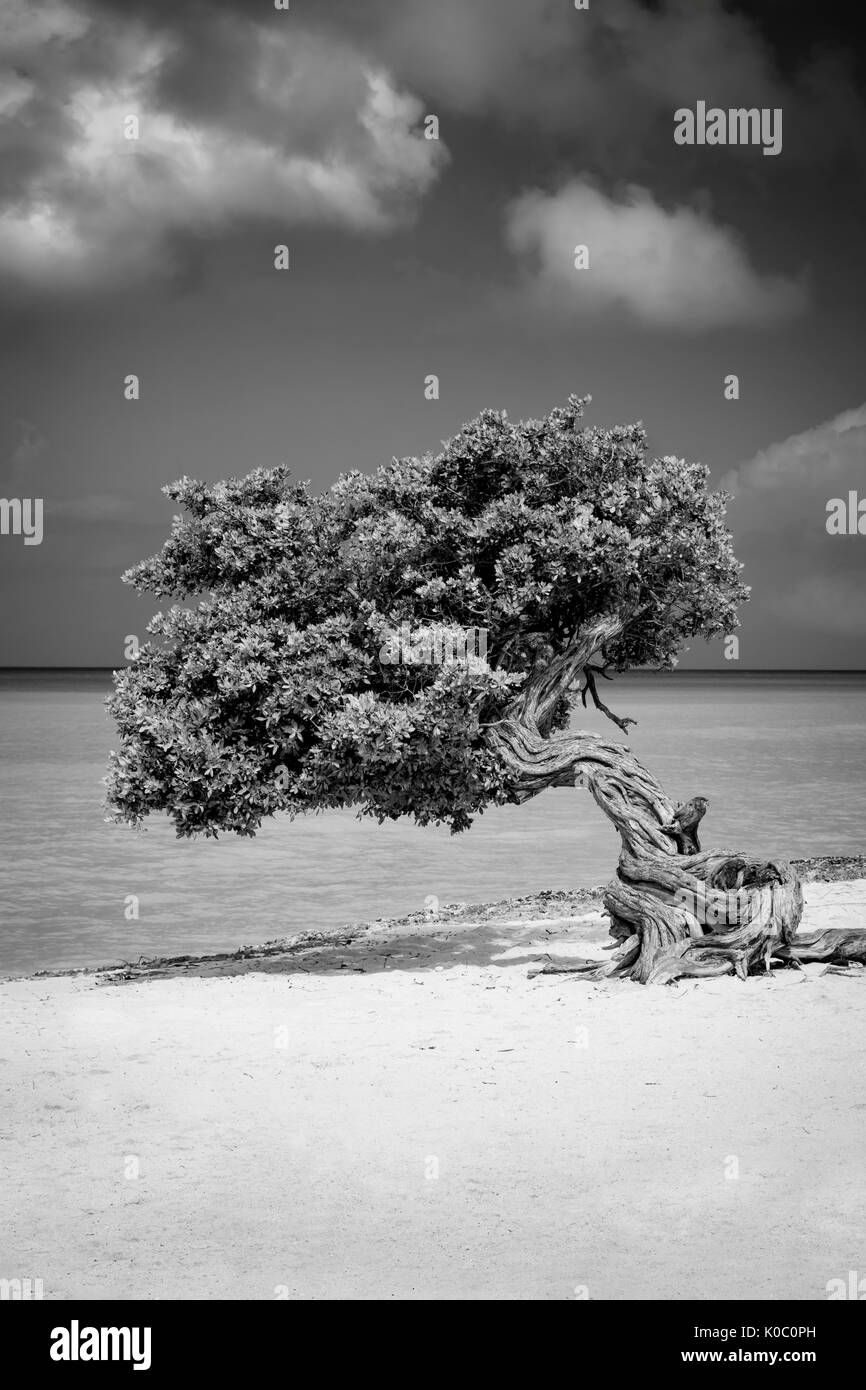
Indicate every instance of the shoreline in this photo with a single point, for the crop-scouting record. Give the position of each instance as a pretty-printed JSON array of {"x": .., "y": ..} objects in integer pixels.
[{"x": 560, "y": 904}]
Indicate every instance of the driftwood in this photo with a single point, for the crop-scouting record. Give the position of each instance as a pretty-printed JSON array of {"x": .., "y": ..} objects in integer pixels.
[{"x": 675, "y": 910}]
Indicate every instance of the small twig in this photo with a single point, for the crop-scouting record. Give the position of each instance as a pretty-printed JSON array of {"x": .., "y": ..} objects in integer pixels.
[
  {"x": 600, "y": 671},
  {"x": 590, "y": 687}
]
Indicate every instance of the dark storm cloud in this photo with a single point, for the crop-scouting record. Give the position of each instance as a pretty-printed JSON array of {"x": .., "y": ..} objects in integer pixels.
[{"x": 611, "y": 76}]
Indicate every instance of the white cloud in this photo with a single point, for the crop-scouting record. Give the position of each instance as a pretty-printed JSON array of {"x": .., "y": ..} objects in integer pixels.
[
  {"x": 808, "y": 585},
  {"x": 671, "y": 269},
  {"x": 816, "y": 459},
  {"x": 102, "y": 206}
]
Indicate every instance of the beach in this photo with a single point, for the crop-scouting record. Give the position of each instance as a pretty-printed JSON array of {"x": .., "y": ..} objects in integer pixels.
[{"x": 407, "y": 1111}]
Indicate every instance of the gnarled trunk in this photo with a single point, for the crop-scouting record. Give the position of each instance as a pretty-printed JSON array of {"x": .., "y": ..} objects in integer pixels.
[{"x": 675, "y": 910}]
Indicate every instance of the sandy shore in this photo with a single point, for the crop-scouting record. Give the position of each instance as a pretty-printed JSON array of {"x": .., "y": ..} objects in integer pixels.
[{"x": 405, "y": 1113}]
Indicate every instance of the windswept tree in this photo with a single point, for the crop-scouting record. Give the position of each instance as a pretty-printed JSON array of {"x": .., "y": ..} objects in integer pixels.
[{"x": 277, "y": 687}]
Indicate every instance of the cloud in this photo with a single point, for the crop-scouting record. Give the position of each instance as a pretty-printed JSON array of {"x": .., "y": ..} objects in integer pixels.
[
  {"x": 24, "y": 25},
  {"x": 610, "y": 76},
  {"x": 292, "y": 127},
  {"x": 807, "y": 585},
  {"x": 671, "y": 269},
  {"x": 812, "y": 461}
]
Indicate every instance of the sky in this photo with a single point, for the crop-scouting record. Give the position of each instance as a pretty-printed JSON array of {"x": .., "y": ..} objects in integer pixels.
[{"x": 411, "y": 256}]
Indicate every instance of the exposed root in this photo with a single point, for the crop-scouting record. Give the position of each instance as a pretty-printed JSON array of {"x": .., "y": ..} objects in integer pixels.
[
  {"x": 842, "y": 945},
  {"x": 675, "y": 910}
]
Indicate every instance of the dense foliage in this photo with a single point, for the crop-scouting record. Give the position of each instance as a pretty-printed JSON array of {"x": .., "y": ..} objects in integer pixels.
[{"x": 266, "y": 690}]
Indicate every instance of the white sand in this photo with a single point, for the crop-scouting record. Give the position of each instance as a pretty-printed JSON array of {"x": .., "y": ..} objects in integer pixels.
[{"x": 308, "y": 1159}]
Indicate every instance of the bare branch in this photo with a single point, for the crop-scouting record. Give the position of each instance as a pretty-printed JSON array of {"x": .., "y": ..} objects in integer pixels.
[
  {"x": 590, "y": 687},
  {"x": 600, "y": 670}
]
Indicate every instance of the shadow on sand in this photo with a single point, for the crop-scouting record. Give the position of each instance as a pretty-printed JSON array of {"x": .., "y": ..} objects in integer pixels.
[
  {"x": 559, "y": 924},
  {"x": 505, "y": 934}
]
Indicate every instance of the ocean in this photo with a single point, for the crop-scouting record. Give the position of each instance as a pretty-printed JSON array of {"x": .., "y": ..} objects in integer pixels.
[{"x": 779, "y": 755}]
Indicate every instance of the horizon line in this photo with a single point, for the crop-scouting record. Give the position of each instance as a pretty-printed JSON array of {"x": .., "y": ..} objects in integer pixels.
[{"x": 633, "y": 670}]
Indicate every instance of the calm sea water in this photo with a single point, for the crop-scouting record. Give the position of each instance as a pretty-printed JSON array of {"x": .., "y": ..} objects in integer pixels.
[{"x": 780, "y": 756}]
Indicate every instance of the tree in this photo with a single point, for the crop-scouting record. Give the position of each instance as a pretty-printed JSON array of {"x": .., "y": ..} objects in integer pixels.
[{"x": 277, "y": 686}]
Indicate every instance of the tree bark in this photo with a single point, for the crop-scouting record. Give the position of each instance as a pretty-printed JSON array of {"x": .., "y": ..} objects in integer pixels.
[{"x": 672, "y": 913}]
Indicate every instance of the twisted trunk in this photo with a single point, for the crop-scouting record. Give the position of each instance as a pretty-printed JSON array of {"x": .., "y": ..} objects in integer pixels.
[{"x": 674, "y": 910}]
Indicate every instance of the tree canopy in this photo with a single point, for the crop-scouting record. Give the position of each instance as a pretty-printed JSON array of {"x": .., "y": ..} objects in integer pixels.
[{"x": 264, "y": 688}]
